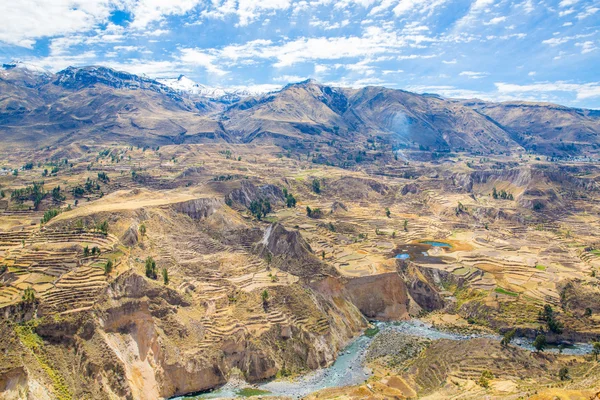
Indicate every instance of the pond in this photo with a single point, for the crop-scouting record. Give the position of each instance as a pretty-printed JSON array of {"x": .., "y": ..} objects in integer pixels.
[
  {"x": 437, "y": 244},
  {"x": 348, "y": 368}
]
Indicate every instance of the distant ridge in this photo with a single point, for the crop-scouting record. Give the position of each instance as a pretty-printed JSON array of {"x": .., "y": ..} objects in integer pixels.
[{"x": 102, "y": 104}]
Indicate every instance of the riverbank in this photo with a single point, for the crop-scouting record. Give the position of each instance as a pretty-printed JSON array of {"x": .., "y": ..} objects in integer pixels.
[{"x": 399, "y": 341}]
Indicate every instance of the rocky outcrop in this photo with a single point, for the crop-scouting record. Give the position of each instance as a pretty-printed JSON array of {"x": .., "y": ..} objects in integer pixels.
[
  {"x": 356, "y": 189},
  {"x": 411, "y": 188},
  {"x": 199, "y": 208},
  {"x": 380, "y": 297},
  {"x": 248, "y": 192},
  {"x": 291, "y": 253},
  {"x": 130, "y": 237},
  {"x": 423, "y": 284}
]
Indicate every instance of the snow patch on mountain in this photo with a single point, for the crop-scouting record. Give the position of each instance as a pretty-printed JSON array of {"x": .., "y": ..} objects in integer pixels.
[
  {"x": 26, "y": 66},
  {"x": 183, "y": 84}
]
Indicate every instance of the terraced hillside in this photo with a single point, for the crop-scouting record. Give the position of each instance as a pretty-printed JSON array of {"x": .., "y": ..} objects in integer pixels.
[{"x": 148, "y": 272}]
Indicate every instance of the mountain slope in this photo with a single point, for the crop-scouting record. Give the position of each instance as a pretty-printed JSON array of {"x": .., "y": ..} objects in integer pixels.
[
  {"x": 96, "y": 104},
  {"x": 544, "y": 127},
  {"x": 101, "y": 105}
]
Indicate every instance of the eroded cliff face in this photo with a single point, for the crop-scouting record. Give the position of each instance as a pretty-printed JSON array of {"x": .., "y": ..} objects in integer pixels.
[{"x": 380, "y": 297}]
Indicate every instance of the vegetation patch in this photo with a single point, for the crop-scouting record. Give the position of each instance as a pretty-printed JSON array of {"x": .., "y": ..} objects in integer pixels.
[
  {"x": 506, "y": 292},
  {"x": 371, "y": 332},
  {"x": 251, "y": 392},
  {"x": 541, "y": 267},
  {"x": 33, "y": 342}
]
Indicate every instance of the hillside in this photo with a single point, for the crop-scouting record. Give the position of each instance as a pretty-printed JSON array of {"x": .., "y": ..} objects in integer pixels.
[{"x": 101, "y": 105}]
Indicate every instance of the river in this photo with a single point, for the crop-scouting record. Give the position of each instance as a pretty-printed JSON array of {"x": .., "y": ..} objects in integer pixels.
[{"x": 348, "y": 368}]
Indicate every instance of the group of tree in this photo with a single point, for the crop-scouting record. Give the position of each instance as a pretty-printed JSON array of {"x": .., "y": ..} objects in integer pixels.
[
  {"x": 94, "y": 251},
  {"x": 48, "y": 215},
  {"x": 547, "y": 315},
  {"x": 34, "y": 192},
  {"x": 108, "y": 267},
  {"x": 313, "y": 212},
  {"x": 290, "y": 200},
  {"x": 152, "y": 270},
  {"x": 57, "y": 195},
  {"x": 508, "y": 337},
  {"x": 316, "y": 186},
  {"x": 260, "y": 208},
  {"x": 28, "y": 295},
  {"x": 503, "y": 194},
  {"x": 103, "y": 177},
  {"x": 102, "y": 227},
  {"x": 89, "y": 187}
]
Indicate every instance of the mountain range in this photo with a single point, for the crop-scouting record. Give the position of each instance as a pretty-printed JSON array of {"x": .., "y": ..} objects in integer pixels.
[{"x": 102, "y": 105}]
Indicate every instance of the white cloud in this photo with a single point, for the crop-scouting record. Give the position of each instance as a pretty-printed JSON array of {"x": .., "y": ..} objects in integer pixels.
[
  {"x": 495, "y": 21},
  {"x": 326, "y": 25},
  {"x": 564, "y": 13},
  {"x": 374, "y": 42},
  {"x": 560, "y": 40},
  {"x": 415, "y": 56},
  {"x": 589, "y": 11},
  {"x": 247, "y": 11},
  {"x": 148, "y": 11},
  {"x": 567, "y": 3},
  {"x": 198, "y": 57},
  {"x": 289, "y": 78},
  {"x": 320, "y": 68},
  {"x": 474, "y": 74},
  {"x": 453, "y": 61},
  {"x": 478, "y": 7},
  {"x": 532, "y": 73},
  {"x": 392, "y": 71},
  {"x": 587, "y": 46},
  {"x": 582, "y": 91},
  {"x": 22, "y": 22}
]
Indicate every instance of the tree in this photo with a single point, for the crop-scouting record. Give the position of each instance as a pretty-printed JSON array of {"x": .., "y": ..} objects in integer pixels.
[
  {"x": 108, "y": 267},
  {"x": 48, "y": 215},
  {"x": 555, "y": 326},
  {"x": 86, "y": 251},
  {"x": 563, "y": 374},
  {"x": 142, "y": 230},
  {"x": 260, "y": 208},
  {"x": 165, "y": 275},
  {"x": 103, "y": 227},
  {"x": 150, "y": 268},
  {"x": 539, "y": 343},
  {"x": 405, "y": 225},
  {"x": 596, "y": 349},
  {"x": 316, "y": 186},
  {"x": 494, "y": 193},
  {"x": 588, "y": 312},
  {"x": 28, "y": 295},
  {"x": 387, "y": 212},
  {"x": 265, "y": 298},
  {"x": 508, "y": 337},
  {"x": 484, "y": 379},
  {"x": 308, "y": 212}
]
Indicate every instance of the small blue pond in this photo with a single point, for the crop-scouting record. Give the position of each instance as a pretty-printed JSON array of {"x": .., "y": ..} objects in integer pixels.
[
  {"x": 403, "y": 256},
  {"x": 437, "y": 244}
]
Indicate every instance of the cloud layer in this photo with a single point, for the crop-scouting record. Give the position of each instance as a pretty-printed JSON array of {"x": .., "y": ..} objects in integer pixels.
[{"x": 493, "y": 49}]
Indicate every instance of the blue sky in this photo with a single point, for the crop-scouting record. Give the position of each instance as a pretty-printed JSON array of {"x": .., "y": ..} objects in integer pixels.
[{"x": 490, "y": 49}]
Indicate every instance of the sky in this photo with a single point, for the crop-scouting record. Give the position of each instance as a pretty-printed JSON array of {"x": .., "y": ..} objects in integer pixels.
[{"x": 490, "y": 49}]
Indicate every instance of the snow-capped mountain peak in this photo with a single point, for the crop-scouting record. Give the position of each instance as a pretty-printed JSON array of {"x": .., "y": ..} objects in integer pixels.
[
  {"x": 26, "y": 66},
  {"x": 183, "y": 84}
]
